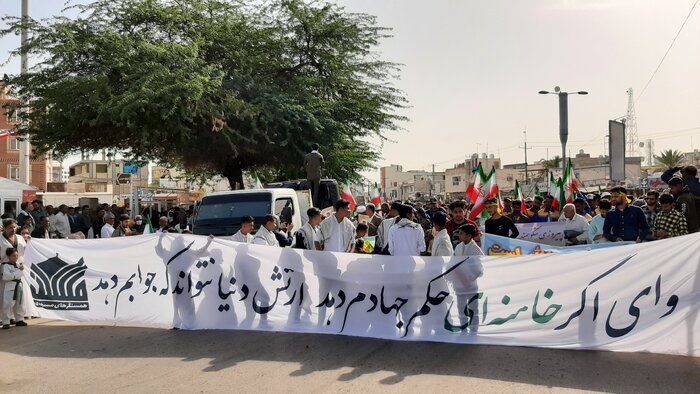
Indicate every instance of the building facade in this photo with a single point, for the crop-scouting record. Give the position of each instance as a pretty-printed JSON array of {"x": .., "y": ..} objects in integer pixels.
[{"x": 41, "y": 170}]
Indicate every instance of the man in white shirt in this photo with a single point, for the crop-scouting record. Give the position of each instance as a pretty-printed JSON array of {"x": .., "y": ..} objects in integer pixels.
[
  {"x": 337, "y": 233},
  {"x": 382, "y": 242},
  {"x": 309, "y": 232},
  {"x": 575, "y": 226},
  {"x": 61, "y": 224},
  {"x": 244, "y": 234},
  {"x": 595, "y": 233},
  {"x": 406, "y": 237},
  {"x": 467, "y": 246},
  {"x": 266, "y": 232},
  {"x": 108, "y": 227},
  {"x": 442, "y": 242}
]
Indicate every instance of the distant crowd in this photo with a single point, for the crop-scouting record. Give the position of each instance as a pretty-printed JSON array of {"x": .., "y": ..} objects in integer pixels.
[{"x": 36, "y": 221}]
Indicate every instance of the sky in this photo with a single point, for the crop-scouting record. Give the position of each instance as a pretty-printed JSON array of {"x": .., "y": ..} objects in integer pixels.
[{"x": 472, "y": 69}]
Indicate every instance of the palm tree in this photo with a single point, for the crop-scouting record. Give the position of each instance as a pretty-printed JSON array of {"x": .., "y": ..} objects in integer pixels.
[
  {"x": 670, "y": 158},
  {"x": 552, "y": 163},
  {"x": 547, "y": 166}
]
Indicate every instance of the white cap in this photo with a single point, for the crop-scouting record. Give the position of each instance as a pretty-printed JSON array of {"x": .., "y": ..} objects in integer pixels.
[
  {"x": 361, "y": 209},
  {"x": 605, "y": 194},
  {"x": 590, "y": 196}
]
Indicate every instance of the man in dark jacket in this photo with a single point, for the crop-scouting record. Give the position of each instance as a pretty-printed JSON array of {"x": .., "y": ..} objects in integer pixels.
[
  {"x": 313, "y": 163},
  {"x": 689, "y": 175},
  {"x": 42, "y": 228},
  {"x": 685, "y": 203},
  {"x": 626, "y": 222}
]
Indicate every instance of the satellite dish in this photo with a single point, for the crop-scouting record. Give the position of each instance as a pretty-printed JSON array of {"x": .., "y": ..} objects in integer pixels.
[
  {"x": 557, "y": 89},
  {"x": 641, "y": 145}
]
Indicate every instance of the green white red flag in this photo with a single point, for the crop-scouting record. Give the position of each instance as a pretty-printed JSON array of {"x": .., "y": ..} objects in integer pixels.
[
  {"x": 476, "y": 184},
  {"x": 555, "y": 192},
  {"x": 376, "y": 198},
  {"x": 519, "y": 194},
  {"x": 487, "y": 191},
  {"x": 347, "y": 195},
  {"x": 571, "y": 184}
]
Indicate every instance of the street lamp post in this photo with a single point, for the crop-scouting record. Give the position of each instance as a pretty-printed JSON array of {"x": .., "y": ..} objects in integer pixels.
[{"x": 563, "y": 120}]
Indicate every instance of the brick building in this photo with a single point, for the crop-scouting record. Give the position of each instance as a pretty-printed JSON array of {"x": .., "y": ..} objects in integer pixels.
[{"x": 41, "y": 169}]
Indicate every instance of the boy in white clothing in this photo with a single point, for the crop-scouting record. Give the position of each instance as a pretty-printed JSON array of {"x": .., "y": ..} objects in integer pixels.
[
  {"x": 467, "y": 246},
  {"x": 12, "y": 303}
]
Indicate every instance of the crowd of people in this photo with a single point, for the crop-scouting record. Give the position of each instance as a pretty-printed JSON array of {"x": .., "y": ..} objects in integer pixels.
[
  {"x": 36, "y": 221},
  {"x": 397, "y": 228},
  {"x": 415, "y": 229}
]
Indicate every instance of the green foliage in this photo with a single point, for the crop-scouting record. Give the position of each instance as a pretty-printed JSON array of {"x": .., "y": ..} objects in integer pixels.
[
  {"x": 210, "y": 86},
  {"x": 670, "y": 158}
]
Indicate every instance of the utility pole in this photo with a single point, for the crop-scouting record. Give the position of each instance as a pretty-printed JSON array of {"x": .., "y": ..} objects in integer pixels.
[
  {"x": 526, "y": 148},
  {"x": 24, "y": 145},
  {"x": 432, "y": 181}
]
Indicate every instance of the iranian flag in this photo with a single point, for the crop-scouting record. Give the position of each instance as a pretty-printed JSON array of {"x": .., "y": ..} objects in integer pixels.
[
  {"x": 555, "y": 192},
  {"x": 476, "y": 184},
  {"x": 7, "y": 133},
  {"x": 376, "y": 199},
  {"x": 258, "y": 184},
  {"x": 488, "y": 190},
  {"x": 519, "y": 194},
  {"x": 347, "y": 195},
  {"x": 571, "y": 184}
]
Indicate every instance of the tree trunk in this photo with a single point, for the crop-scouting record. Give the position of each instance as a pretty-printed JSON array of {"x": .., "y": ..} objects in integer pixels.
[{"x": 233, "y": 171}]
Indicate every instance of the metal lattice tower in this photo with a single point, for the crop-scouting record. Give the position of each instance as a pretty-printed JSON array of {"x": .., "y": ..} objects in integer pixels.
[{"x": 632, "y": 139}]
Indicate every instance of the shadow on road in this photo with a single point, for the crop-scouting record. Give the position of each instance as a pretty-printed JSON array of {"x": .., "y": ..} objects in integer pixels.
[{"x": 600, "y": 371}]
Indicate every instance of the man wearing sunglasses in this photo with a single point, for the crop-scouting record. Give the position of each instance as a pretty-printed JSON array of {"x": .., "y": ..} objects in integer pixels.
[{"x": 626, "y": 222}]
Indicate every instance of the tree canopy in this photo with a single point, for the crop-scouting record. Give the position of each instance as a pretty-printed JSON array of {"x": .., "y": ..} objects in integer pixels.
[
  {"x": 210, "y": 86},
  {"x": 670, "y": 158}
]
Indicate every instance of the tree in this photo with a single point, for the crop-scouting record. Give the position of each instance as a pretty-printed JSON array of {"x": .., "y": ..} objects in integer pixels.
[
  {"x": 670, "y": 158},
  {"x": 547, "y": 166},
  {"x": 210, "y": 86}
]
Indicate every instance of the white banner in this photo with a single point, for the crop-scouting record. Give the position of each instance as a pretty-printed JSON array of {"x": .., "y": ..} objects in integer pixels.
[
  {"x": 542, "y": 233},
  {"x": 629, "y": 298}
]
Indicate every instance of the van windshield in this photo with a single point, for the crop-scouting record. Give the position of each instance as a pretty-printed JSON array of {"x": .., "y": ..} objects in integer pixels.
[{"x": 234, "y": 206}]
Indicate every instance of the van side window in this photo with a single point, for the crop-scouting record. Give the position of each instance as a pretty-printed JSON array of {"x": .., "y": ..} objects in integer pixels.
[{"x": 284, "y": 209}]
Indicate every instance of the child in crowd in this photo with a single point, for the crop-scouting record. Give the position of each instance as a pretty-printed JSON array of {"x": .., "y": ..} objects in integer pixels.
[
  {"x": 360, "y": 234},
  {"x": 467, "y": 246},
  {"x": 12, "y": 303}
]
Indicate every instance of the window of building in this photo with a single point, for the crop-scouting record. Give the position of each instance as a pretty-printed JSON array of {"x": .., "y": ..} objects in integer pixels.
[
  {"x": 456, "y": 180},
  {"x": 101, "y": 168},
  {"x": 12, "y": 116},
  {"x": 396, "y": 184},
  {"x": 13, "y": 143},
  {"x": 13, "y": 172}
]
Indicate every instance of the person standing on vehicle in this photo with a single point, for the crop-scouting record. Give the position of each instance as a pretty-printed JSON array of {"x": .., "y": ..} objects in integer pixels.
[{"x": 313, "y": 162}]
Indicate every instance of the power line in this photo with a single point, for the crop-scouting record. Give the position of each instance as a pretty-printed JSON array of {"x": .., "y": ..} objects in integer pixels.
[{"x": 667, "y": 51}]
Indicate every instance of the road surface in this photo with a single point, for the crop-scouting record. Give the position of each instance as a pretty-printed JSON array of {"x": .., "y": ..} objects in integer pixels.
[{"x": 51, "y": 356}]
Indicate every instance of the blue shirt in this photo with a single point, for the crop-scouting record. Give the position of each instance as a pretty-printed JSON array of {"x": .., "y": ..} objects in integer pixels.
[{"x": 628, "y": 224}]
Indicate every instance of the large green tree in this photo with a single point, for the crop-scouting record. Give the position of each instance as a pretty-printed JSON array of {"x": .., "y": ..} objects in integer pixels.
[{"x": 211, "y": 86}]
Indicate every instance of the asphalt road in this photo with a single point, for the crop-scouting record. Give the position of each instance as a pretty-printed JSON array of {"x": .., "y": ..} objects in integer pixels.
[{"x": 50, "y": 356}]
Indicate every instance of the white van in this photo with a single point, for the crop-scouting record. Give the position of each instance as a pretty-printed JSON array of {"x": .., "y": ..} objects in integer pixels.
[
  {"x": 11, "y": 196},
  {"x": 220, "y": 213}
]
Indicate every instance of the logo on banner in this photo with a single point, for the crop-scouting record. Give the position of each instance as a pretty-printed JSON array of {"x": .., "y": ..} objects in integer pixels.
[{"x": 59, "y": 285}]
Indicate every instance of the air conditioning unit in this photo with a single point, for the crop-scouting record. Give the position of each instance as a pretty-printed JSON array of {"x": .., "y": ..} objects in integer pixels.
[{"x": 509, "y": 178}]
